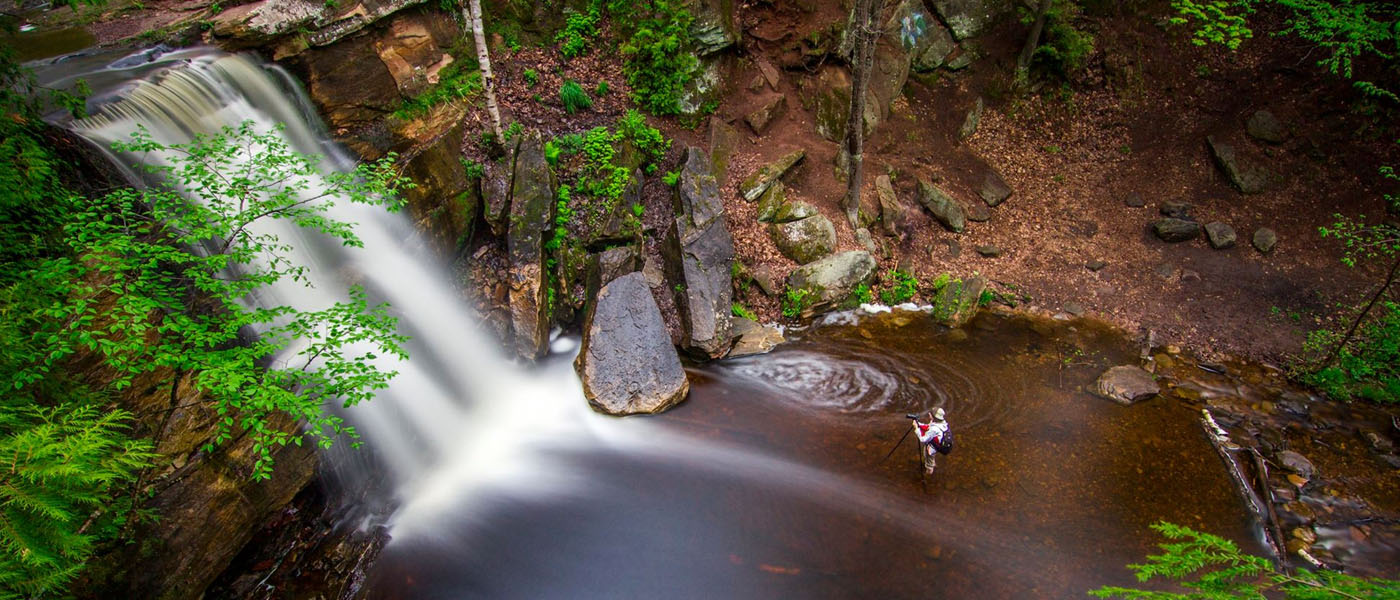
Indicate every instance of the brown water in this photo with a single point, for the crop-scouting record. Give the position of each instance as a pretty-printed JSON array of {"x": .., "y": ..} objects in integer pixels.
[
  {"x": 35, "y": 45},
  {"x": 780, "y": 491}
]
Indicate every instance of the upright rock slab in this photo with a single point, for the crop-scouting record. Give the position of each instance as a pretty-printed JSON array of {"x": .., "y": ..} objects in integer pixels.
[
  {"x": 891, "y": 212},
  {"x": 830, "y": 281},
  {"x": 700, "y": 254},
  {"x": 531, "y": 215},
  {"x": 626, "y": 362},
  {"x": 760, "y": 119},
  {"x": 498, "y": 177}
]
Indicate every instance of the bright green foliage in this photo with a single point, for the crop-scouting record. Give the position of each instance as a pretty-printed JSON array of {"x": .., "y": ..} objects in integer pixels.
[
  {"x": 1213, "y": 568},
  {"x": 532, "y": 77},
  {"x": 671, "y": 178},
  {"x": 62, "y": 466},
  {"x": 658, "y": 51},
  {"x": 1368, "y": 367},
  {"x": 453, "y": 84},
  {"x": 579, "y": 28},
  {"x": 742, "y": 312},
  {"x": 563, "y": 213},
  {"x": 862, "y": 294},
  {"x": 903, "y": 286},
  {"x": 513, "y": 130},
  {"x": 796, "y": 300},
  {"x": 648, "y": 140},
  {"x": 138, "y": 295},
  {"x": 602, "y": 88},
  {"x": 574, "y": 98},
  {"x": 1216, "y": 21},
  {"x": 1064, "y": 48},
  {"x": 472, "y": 169}
]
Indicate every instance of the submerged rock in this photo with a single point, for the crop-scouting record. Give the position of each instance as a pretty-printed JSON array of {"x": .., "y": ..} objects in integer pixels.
[
  {"x": 531, "y": 215},
  {"x": 942, "y": 206},
  {"x": 1126, "y": 384},
  {"x": 759, "y": 182},
  {"x": 829, "y": 281},
  {"x": 700, "y": 254},
  {"x": 626, "y": 362}
]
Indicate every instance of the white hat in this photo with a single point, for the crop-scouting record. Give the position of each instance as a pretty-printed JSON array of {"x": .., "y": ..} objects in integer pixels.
[{"x": 938, "y": 414}]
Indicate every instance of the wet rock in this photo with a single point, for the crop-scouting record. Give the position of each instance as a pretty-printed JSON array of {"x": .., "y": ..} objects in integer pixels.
[
  {"x": 626, "y": 362},
  {"x": 989, "y": 250},
  {"x": 1297, "y": 463},
  {"x": 830, "y": 280},
  {"x": 1294, "y": 403},
  {"x": 967, "y": 18},
  {"x": 958, "y": 301},
  {"x": 605, "y": 266},
  {"x": 1264, "y": 240},
  {"x": 759, "y": 182},
  {"x": 759, "y": 120},
  {"x": 444, "y": 203},
  {"x": 806, "y": 240},
  {"x": 944, "y": 208},
  {"x": 724, "y": 141},
  {"x": 1305, "y": 535},
  {"x": 794, "y": 211},
  {"x": 1265, "y": 127},
  {"x": 1126, "y": 384},
  {"x": 1247, "y": 177},
  {"x": 1220, "y": 235},
  {"x": 1175, "y": 230},
  {"x": 700, "y": 253},
  {"x": 1379, "y": 443},
  {"x": 1134, "y": 200},
  {"x": 1175, "y": 209},
  {"x": 891, "y": 212},
  {"x": 1096, "y": 265},
  {"x": 753, "y": 338},
  {"x": 531, "y": 215},
  {"x": 771, "y": 201},
  {"x": 973, "y": 118},
  {"x": 994, "y": 190}
]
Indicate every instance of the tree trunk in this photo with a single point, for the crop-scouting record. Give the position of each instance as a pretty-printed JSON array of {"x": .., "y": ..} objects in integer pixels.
[
  {"x": 1023, "y": 62},
  {"x": 863, "y": 34},
  {"x": 471, "y": 15}
]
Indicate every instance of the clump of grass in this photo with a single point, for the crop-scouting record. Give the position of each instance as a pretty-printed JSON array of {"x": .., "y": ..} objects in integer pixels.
[{"x": 574, "y": 98}]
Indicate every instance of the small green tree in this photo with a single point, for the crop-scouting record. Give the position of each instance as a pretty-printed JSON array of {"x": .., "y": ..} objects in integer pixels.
[{"x": 1214, "y": 568}]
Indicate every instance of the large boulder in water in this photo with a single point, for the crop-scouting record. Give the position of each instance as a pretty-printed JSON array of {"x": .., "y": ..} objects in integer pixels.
[
  {"x": 627, "y": 363},
  {"x": 531, "y": 215},
  {"x": 829, "y": 281},
  {"x": 700, "y": 255},
  {"x": 1126, "y": 384}
]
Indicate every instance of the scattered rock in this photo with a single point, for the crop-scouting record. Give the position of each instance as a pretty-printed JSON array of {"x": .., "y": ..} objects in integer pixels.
[
  {"x": 1297, "y": 463},
  {"x": 1175, "y": 209},
  {"x": 1264, "y": 240},
  {"x": 944, "y": 208},
  {"x": 794, "y": 211},
  {"x": 531, "y": 215},
  {"x": 830, "y": 280},
  {"x": 1265, "y": 127},
  {"x": 978, "y": 212},
  {"x": 891, "y": 212},
  {"x": 1096, "y": 265},
  {"x": 954, "y": 248},
  {"x": 1175, "y": 230},
  {"x": 700, "y": 252},
  {"x": 753, "y": 338},
  {"x": 763, "y": 277},
  {"x": 1189, "y": 275},
  {"x": 626, "y": 362},
  {"x": 771, "y": 200},
  {"x": 1165, "y": 270},
  {"x": 770, "y": 73},
  {"x": 1074, "y": 308},
  {"x": 994, "y": 189},
  {"x": 1126, "y": 384},
  {"x": 1134, "y": 200},
  {"x": 867, "y": 241},
  {"x": 973, "y": 118},
  {"x": 759, "y": 119},
  {"x": 1247, "y": 177},
  {"x": 756, "y": 184},
  {"x": 963, "y": 60},
  {"x": 806, "y": 240},
  {"x": 1220, "y": 235},
  {"x": 989, "y": 250},
  {"x": 653, "y": 273}
]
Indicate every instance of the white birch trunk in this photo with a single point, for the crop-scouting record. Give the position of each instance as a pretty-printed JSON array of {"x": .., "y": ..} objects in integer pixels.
[{"x": 471, "y": 13}]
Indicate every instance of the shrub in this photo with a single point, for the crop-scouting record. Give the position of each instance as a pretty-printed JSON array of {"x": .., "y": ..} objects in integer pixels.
[
  {"x": 579, "y": 28},
  {"x": 532, "y": 78},
  {"x": 796, "y": 300},
  {"x": 602, "y": 89},
  {"x": 862, "y": 294},
  {"x": 659, "y": 62},
  {"x": 904, "y": 286},
  {"x": 574, "y": 98},
  {"x": 740, "y": 311},
  {"x": 1065, "y": 49},
  {"x": 649, "y": 141},
  {"x": 453, "y": 84},
  {"x": 1367, "y": 368}
]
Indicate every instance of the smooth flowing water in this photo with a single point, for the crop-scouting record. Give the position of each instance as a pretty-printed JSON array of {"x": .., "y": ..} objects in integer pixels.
[{"x": 768, "y": 482}]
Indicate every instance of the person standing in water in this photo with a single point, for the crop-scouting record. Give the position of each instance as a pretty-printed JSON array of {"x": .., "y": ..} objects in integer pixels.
[{"x": 934, "y": 437}]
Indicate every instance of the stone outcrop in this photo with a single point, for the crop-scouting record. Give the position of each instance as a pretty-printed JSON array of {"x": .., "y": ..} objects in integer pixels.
[
  {"x": 700, "y": 255},
  {"x": 830, "y": 281},
  {"x": 1243, "y": 174},
  {"x": 771, "y": 201},
  {"x": 943, "y": 207},
  {"x": 804, "y": 240},
  {"x": 967, "y": 18},
  {"x": 714, "y": 27},
  {"x": 1265, "y": 127},
  {"x": 626, "y": 362},
  {"x": 292, "y": 26},
  {"x": 444, "y": 203},
  {"x": 615, "y": 222},
  {"x": 531, "y": 215},
  {"x": 498, "y": 176},
  {"x": 921, "y": 34},
  {"x": 1126, "y": 384},
  {"x": 754, "y": 186}
]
